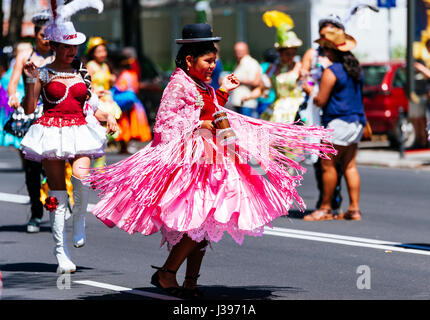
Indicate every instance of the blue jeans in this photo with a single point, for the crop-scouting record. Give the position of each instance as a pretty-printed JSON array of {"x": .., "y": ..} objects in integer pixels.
[
  {"x": 262, "y": 106},
  {"x": 245, "y": 111}
]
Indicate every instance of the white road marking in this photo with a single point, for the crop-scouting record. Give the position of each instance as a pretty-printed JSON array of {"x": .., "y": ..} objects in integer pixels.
[
  {"x": 298, "y": 234},
  {"x": 125, "y": 290},
  {"x": 346, "y": 240},
  {"x": 15, "y": 198}
]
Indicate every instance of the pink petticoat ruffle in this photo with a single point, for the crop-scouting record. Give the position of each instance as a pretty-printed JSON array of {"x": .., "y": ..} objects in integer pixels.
[{"x": 211, "y": 231}]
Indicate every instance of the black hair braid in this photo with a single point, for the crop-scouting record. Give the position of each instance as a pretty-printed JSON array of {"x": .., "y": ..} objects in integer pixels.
[
  {"x": 80, "y": 66},
  {"x": 351, "y": 65}
]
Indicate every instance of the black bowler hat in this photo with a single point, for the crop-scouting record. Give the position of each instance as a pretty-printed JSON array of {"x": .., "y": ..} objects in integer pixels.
[{"x": 197, "y": 32}]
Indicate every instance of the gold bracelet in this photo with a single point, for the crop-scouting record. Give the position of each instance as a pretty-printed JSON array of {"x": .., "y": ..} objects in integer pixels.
[{"x": 223, "y": 90}]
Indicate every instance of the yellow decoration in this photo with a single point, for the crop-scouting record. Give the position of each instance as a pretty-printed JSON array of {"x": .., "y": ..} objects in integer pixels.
[
  {"x": 44, "y": 189},
  {"x": 419, "y": 49},
  {"x": 69, "y": 185},
  {"x": 276, "y": 18}
]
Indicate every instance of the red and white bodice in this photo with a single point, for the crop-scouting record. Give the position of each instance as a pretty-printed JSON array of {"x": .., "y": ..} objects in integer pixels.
[{"x": 62, "y": 103}]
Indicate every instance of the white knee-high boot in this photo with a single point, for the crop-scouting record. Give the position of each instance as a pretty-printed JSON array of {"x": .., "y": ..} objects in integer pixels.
[
  {"x": 57, "y": 218},
  {"x": 80, "y": 197}
]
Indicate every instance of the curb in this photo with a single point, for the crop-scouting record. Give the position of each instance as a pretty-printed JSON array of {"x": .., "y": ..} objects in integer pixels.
[{"x": 391, "y": 159}]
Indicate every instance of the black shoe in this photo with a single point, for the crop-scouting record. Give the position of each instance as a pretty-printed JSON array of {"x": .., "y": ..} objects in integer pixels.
[
  {"x": 193, "y": 293},
  {"x": 177, "y": 292}
]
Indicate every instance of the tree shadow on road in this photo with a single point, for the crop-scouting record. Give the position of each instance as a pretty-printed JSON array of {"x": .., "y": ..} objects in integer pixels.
[
  {"x": 22, "y": 228},
  {"x": 35, "y": 267},
  {"x": 210, "y": 293},
  {"x": 247, "y": 293}
]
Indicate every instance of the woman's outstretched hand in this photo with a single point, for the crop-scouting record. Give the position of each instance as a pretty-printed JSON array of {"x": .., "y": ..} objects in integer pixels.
[
  {"x": 230, "y": 83},
  {"x": 111, "y": 124}
]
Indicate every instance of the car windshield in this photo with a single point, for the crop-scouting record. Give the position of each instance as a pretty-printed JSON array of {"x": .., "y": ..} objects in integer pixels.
[{"x": 373, "y": 75}]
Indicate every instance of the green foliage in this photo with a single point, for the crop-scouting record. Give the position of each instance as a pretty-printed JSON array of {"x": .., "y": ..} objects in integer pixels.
[{"x": 398, "y": 52}]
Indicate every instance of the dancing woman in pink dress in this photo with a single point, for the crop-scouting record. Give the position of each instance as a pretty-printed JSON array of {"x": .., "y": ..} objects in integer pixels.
[{"x": 191, "y": 184}]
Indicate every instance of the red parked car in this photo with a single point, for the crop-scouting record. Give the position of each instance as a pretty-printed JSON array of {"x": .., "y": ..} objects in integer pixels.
[{"x": 383, "y": 96}]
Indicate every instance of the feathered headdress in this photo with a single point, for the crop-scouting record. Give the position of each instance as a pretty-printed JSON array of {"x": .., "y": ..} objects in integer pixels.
[
  {"x": 62, "y": 12},
  {"x": 276, "y": 18},
  {"x": 341, "y": 22},
  {"x": 355, "y": 9},
  {"x": 285, "y": 38},
  {"x": 60, "y": 28},
  {"x": 41, "y": 17}
]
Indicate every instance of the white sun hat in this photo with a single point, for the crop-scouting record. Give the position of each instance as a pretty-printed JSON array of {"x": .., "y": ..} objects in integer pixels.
[
  {"x": 64, "y": 33},
  {"x": 59, "y": 27}
]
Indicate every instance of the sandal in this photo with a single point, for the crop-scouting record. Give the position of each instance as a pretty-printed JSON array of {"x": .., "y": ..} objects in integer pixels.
[
  {"x": 319, "y": 215},
  {"x": 193, "y": 293},
  {"x": 352, "y": 215},
  {"x": 177, "y": 292}
]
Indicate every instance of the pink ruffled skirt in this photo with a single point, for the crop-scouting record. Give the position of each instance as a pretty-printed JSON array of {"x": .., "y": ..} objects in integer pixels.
[{"x": 200, "y": 200}]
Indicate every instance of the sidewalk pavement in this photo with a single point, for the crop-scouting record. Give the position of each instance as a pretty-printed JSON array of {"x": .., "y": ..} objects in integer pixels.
[{"x": 384, "y": 157}]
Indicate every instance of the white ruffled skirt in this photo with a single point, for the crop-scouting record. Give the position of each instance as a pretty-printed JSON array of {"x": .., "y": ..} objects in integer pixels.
[{"x": 62, "y": 143}]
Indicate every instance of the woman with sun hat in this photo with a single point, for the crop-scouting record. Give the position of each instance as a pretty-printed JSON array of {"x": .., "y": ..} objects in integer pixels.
[{"x": 340, "y": 97}]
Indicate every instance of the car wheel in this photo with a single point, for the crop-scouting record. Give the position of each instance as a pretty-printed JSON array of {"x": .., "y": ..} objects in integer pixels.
[{"x": 405, "y": 130}]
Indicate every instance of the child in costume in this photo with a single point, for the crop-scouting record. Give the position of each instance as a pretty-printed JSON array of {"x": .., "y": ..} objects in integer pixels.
[
  {"x": 67, "y": 130},
  {"x": 190, "y": 183}
]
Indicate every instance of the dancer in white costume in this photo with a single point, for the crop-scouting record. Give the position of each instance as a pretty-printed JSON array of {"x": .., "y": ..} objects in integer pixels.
[{"x": 68, "y": 129}]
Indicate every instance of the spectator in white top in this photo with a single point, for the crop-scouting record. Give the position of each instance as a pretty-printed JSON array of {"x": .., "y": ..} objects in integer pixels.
[{"x": 249, "y": 72}]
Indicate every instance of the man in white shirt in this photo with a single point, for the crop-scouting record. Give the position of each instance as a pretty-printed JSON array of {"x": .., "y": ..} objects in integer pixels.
[{"x": 249, "y": 72}]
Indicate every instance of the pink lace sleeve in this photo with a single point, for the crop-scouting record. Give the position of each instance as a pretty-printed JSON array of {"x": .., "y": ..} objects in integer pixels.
[{"x": 178, "y": 115}]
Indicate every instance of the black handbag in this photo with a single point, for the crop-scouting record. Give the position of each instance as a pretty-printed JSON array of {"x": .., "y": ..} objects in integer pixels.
[{"x": 19, "y": 122}]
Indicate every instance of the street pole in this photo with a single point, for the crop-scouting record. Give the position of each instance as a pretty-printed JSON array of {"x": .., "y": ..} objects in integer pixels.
[
  {"x": 131, "y": 27},
  {"x": 409, "y": 48},
  {"x": 389, "y": 34},
  {"x": 410, "y": 72}
]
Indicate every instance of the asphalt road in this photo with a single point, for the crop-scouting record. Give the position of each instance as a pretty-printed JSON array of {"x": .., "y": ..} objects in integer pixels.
[{"x": 384, "y": 256}]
